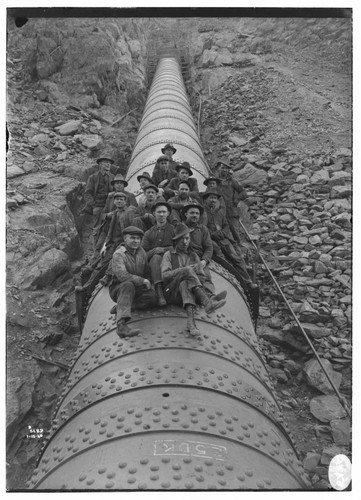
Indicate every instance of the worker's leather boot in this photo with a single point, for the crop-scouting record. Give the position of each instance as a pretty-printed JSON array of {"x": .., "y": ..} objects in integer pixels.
[
  {"x": 209, "y": 305},
  {"x": 123, "y": 330},
  {"x": 159, "y": 290},
  {"x": 191, "y": 325}
]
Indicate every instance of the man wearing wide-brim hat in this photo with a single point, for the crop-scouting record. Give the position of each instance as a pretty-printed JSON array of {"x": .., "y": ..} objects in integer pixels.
[
  {"x": 213, "y": 182},
  {"x": 130, "y": 285},
  {"x": 145, "y": 180},
  {"x": 181, "y": 270},
  {"x": 119, "y": 184},
  {"x": 163, "y": 172},
  {"x": 232, "y": 193},
  {"x": 185, "y": 173},
  {"x": 179, "y": 201},
  {"x": 156, "y": 241},
  {"x": 96, "y": 191},
  {"x": 222, "y": 240}
]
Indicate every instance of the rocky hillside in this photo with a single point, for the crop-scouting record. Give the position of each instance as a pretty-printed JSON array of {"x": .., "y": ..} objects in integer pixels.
[{"x": 275, "y": 99}]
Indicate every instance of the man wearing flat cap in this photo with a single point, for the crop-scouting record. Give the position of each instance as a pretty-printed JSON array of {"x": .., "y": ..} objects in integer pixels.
[
  {"x": 96, "y": 191},
  {"x": 163, "y": 172},
  {"x": 222, "y": 237},
  {"x": 232, "y": 193},
  {"x": 184, "y": 174},
  {"x": 181, "y": 271},
  {"x": 130, "y": 285},
  {"x": 156, "y": 241}
]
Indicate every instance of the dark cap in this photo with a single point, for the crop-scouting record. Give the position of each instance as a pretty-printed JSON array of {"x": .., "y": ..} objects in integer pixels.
[
  {"x": 192, "y": 205},
  {"x": 169, "y": 146},
  {"x": 144, "y": 175},
  {"x": 120, "y": 194},
  {"x": 163, "y": 157},
  {"x": 133, "y": 230},
  {"x": 184, "y": 165},
  {"x": 181, "y": 230},
  {"x": 161, "y": 204},
  {"x": 153, "y": 187},
  {"x": 185, "y": 182},
  {"x": 119, "y": 178},
  {"x": 206, "y": 182}
]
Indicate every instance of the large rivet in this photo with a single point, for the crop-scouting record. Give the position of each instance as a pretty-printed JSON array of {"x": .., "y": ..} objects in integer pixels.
[
  {"x": 131, "y": 480},
  {"x": 132, "y": 470},
  {"x": 165, "y": 460},
  {"x": 121, "y": 465},
  {"x": 154, "y": 477}
]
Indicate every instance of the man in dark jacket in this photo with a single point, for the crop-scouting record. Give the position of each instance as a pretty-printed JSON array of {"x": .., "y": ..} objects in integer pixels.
[
  {"x": 156, "y": 241},
  {"x": 119, "y": 184},
  {"x": 181, "y": 271},
  {"x": 201, "y": 243},
  {"x": 145, "y": 218},
  {"x": 163, "y": 172},
  {"x": 221, "y": 235},
  {"x": 184, "y": 174},
  {"x": 232, "y": 193},
  {"x": 130, "y": 285},
  {"x": 97, "y": 189},
  {"x": 179, "y": 201},
  {"x": 169, "y": 150}
]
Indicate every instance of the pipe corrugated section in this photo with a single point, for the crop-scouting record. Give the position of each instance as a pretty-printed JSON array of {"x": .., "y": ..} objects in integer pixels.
[
  {"x": 167, "y": 118},
  {"x": 164, "y": 410}
]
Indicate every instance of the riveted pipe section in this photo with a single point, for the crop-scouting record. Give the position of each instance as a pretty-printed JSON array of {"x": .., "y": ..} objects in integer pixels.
[
  {"x": 165, "y": 410},
  {"x": 167, "y": 118}
]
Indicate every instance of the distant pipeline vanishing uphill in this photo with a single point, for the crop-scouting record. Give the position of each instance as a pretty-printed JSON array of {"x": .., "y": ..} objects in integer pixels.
[{"x": 164, "y": 410}]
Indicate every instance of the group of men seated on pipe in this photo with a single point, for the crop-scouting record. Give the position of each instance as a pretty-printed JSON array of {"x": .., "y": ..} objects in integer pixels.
[{"x": 157, "y": 247}]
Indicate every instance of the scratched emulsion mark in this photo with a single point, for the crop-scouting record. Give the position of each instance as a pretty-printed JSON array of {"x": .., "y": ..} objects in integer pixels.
[{"x": 194, "y": 448}]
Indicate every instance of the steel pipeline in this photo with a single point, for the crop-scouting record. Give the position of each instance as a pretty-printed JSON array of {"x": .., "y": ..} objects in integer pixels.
[{"x": 164, "y": 410}]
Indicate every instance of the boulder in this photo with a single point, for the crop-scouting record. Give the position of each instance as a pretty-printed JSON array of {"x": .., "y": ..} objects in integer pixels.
[
  {"x": 209, "y": 58},
  {"x": 90, "y": 141},
  {"x": 311, "y": 461},
  {"x": 327, "y": 408},
  {"x": 316, "y": 331},
  {"x": 28, "y": 166},
  {"x": 250, "y": 175},
  {"x": 341, "y": 432},
  {"x": 69, "y": 128},
  {"x": 320, "y": 177},
  {"x": 224, "y": 58},
  {"x": 341, "y": 191},
  {"x": 317, "y": 378},
  {"x": 50, "y": 266},
  {"x": 134, "y": 48},
  {"x": 14, "y": 171}
]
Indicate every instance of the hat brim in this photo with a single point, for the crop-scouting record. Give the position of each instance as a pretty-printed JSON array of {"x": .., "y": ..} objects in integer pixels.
[
  {"x": 192, "y": 205},
  {"x": 144, "y": 177},
  {"x": 105, "y": 158},
  {"x": 206, "y": 181},
  {"x": 223, "y": 163},
  {"x": 183, "y": 233},
  {"x": 178, "y": 167},
  {"x": 119, "y": 180},
  {"x": 168, "y": 147},
  {"x": 205, "y": 195},
  {"x": 120, "y": 195}
]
